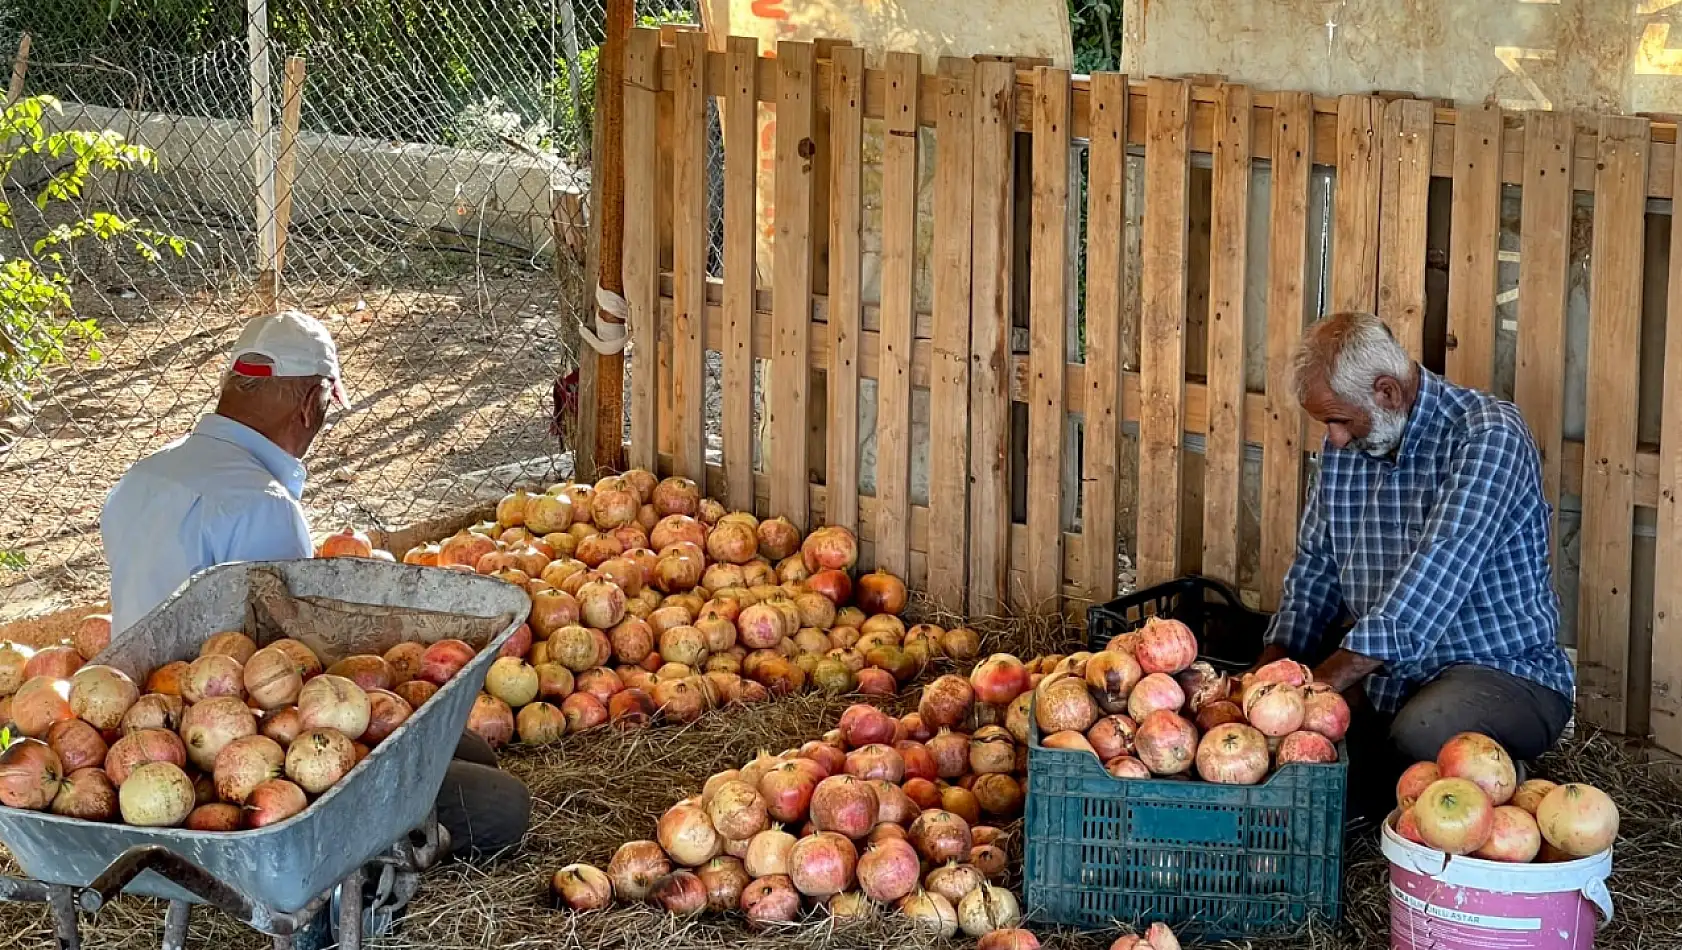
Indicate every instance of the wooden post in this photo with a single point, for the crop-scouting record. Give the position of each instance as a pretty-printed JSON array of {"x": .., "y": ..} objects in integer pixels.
[
  {"x": 262, "y": 153},
  {"x": 601, "y": 376},
  {"x": 291, "y": 111},
  {"x": 20, "y": 66}
]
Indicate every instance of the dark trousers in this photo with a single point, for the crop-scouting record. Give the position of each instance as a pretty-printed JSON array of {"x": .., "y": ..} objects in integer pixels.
[
  {"x": 1526, "y": 718},
  {"x": 484, "y": 808}
]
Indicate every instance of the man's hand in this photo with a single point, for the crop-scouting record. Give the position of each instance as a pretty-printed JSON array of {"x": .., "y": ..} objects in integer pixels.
[
  {"x": 1344, "y": 669},
  {"x": 1269, "y": 653}
]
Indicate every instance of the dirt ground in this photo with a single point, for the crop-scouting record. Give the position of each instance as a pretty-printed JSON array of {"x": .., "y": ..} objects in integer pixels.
[{"x": 449, "y": 359}]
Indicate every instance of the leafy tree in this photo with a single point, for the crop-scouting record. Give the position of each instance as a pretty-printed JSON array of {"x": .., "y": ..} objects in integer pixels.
[{"x": 38, "y": 326}]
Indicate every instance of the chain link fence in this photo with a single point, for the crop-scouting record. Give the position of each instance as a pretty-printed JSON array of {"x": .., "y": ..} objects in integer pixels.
[{"x": 437, "y": 225}]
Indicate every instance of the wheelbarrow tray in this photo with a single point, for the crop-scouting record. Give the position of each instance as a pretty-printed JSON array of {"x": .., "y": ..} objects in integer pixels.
[{"x": 387, "y": 795}]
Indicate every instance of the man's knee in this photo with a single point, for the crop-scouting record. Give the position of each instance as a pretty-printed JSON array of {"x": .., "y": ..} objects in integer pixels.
[
  {"x": 1420, "y": 729},
  {"x": 485, "y": 809}
]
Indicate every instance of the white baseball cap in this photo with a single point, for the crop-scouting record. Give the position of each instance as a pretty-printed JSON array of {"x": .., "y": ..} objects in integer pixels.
[{"x": 288, "y": 344}]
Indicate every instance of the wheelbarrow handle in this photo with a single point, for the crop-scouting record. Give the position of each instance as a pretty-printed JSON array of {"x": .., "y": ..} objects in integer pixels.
[{"x": 190, "y": 877}]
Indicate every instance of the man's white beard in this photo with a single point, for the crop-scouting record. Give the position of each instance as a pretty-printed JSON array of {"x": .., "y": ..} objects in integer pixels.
[{"x": 1386, "y": 433}]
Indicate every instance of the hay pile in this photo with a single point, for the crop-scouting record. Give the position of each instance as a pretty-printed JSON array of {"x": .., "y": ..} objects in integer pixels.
[{"x": 593, "y": 792}]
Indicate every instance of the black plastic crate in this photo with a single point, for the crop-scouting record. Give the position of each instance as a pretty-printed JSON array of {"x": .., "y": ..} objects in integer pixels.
[{"x": 1229, "y": 634}]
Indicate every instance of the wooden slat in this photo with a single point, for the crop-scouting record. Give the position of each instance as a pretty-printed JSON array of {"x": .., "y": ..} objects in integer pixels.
[
  {"x": 1544, "y": 266},
  {"x": 992, "y": 221},
  {"x": 1047, "y": 331},
  {"x": 1666, "y": 718},
  {"x": 899, "y": 251},
  {"x": 741, "y": 166},
  {"x": 642, "y": 262},
  {"x": 1282, "y": 419},
  {"x": 1474, "y": 243},
  {"x": 1603, "y": 631},
  {"x": 1354, "y": 284},
  {"x": 1404, "y": 206},
  {"x": 689, "y": 258},
  {"x": 1223, "y": 462},
  {"x": 1106, "y": 226},
  {"x": 664, "y": 207},
  {"x": 1162, "y": 329},
  {"x": 949, "y": 376},
  {"x": 792, "y": 282},
  {"x": 1325, "y": 122},
  {"x": 846, "y": 129}
]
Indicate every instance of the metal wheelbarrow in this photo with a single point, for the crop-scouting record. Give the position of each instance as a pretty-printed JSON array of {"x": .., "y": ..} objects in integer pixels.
[{"x": 280, "y": 879}]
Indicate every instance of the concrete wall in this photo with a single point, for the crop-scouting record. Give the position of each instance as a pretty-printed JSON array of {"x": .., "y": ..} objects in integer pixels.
[{"x": 207, "y": 165}]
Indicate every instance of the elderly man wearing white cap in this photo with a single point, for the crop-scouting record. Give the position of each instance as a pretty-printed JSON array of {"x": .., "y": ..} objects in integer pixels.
[{"x": 229, "y": 491}]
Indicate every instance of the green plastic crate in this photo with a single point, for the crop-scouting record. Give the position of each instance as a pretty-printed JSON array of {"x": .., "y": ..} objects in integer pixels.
[{"x": 1214, "y": 861}]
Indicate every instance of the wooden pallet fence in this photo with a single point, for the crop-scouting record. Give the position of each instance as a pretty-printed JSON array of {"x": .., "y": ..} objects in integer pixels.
[{"x": 1006, "y": 234}]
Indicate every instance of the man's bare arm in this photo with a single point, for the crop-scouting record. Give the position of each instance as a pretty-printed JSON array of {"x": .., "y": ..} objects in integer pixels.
[{"x": 1345, "y": 668}]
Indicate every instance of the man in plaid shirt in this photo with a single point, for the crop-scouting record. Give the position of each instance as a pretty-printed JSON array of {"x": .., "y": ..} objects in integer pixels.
[{"x": 1424, "y": 543}]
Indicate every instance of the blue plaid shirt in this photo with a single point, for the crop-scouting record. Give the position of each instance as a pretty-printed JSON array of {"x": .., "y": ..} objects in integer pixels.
[{"x": 1439, "y": 555}]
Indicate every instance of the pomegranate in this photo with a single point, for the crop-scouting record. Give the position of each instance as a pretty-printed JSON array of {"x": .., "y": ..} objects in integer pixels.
[
  {"x": 491, "y": 720},
  {"x": 386, "y": 711},
  {"x": 999, "y": 679},
  {"x": 156, "y": 795},
  {"x": 679, "y": 893},
  {"x": 416, "y": 692},
  {"x": 876, "y": 762},
  {"x": 676, "y": 496},
  {"x": 583, "y": 712},
  {"x": 582, "y": 887},
  {"x": 1480, "y": 759},
  {"x": 998, "y": 795},
  {"x": 771, "y": 899},
  {"x": 1125, "y": 766},
  {"x": 834, "y": 548},
  {"x": 880, "y": 592},
  {"x": 138, "y": 748},
  {"x": 823, "y": 864},
  {"x": 1416, "y": 779},
  {"x": 77, "y": 744},
  {"x": 87, "y": 794},
  {"x": 1113, "y": 675},
  {"x": 960, "y": 643},
  {"x": 922, "y": 792},
  {"x": 1166, "y": 743},
  {"x": 893, "y": 805},
  {"x": 986, "y": 909},
  {"x": 863, "y": 724},
  {"x": 930, "y": 912},
  {"x": 1289, "y": 672},
  {"x": 215, "y": 816},
  {"x": 208, "y": 727},
  {"x": 244, "y": 764},
  {"x": 1155, "y": 691},
  {"x": 14, "y": 659},
  {"x": 989, "y": 859},
  {"x": 601, "y": 604},
  {"x": 723, "y": 879},
  {"x": 92, "y": 636},
  {"x": 737, "y": 811},
  {"x": 678, "y": 529},
  {"x": 1064, "y": 704},
  {"x": 166, "y": 679},
  {"x": 213, "y": 675},
  {"x": 58, "y": 662},
  {"x": 273, "y": 802},
  {"x": 30, "y": 774},
  {"x": 271, "y": 678},
  {"x": 941, "y": 836},
  {"x": 877, "y": 682},
  {"x": 333, "y": 702},
  {"x": 1232, "y": 754},
  {"x": 1276, "y": 709},
  {"x": 953, "y": 881},
  {"x": 1306, "y": 746},
  {"x": 1012, "y": 938},
  {"x": 1578, "y": 820},
  {"x": 688, "y": 836},
  {"x": 1218, "y": 713},
  {"x": 835, "y": 586},
  {"x": 1455, "y": 816},
  {"x": 443, "y": 660},
  {"x": 1112, "y": 736},
  {"x": 946, "y": 702},
  {"x": 1165, "y": 646},
  {"x": 346, "y": 543},
  {"x": 1070, "y": 740},
  {"x": 307, "y": 663},
  {"x": 512, "y": 680},
  {"x": 367, "y": 672},
  {"x": 1513, "y": 837},
  {"x": 768, "y": 853},
  {"x": 634, "y": 869},
  {"x": 540, "y": 724},
  {"x": 844, "y": 804},
  {"x": 991, "y": 750},
  {"x": 889, "y": 870},
  {"x": 1529, "y": 795},
  {"x": 1326, "y": 712},
  {"x": 318, "y": 759}
]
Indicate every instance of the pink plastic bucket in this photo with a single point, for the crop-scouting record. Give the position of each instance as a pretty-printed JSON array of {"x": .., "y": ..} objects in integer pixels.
[{"x": 1440, "y": 902}]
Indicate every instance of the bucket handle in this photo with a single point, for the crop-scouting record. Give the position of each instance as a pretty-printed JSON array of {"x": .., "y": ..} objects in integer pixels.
[{"x": 1598, "y": 894}]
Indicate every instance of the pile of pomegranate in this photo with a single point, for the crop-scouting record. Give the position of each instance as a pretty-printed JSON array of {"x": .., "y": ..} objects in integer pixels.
[
  {"x": 1470, "y": 802},
  {"x": 1147, "y": 707},
  {"x": 238, "y": 738},
  {"x": 879, "y": 813},
  {"x": 653, "y": 603}
]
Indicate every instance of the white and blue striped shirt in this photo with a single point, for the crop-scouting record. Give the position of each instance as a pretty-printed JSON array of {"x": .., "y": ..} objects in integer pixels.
[
  {"x": 223, "y": 493},
  {"x": 1439, "y": 555}
]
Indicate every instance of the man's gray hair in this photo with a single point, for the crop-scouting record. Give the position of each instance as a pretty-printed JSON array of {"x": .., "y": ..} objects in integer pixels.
[
  {"x": 1350, "y": 353},
  {"x": 288, "y": 386}
]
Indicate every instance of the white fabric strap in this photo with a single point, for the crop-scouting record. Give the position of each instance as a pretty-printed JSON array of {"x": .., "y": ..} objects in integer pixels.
[{"x": 607, "y": 338}]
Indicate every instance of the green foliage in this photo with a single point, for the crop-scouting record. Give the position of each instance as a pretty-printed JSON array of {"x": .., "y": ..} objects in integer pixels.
[
  {"x": 37, "y": 325},
  {"x": 13, "y": 561},
  {"x": 1096, "y": 26}
]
